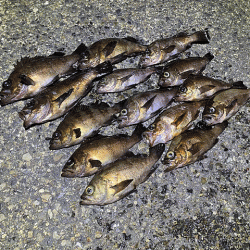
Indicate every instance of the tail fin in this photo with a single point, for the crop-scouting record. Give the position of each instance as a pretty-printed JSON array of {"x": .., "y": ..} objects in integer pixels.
[
  {"x": 104, "y": 68},
  {"x": 201, "y": 37},
  {"x": 158, "y": 150},
  {"x": 239, "y": 85},
  {"x": 81, "y": 50},
  {"x": 209, "y": 56},
  {"x": 139, "y": 129}
]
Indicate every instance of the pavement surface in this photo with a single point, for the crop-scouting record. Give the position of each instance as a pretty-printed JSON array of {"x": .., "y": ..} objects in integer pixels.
[{"x": 202, "y": 206}]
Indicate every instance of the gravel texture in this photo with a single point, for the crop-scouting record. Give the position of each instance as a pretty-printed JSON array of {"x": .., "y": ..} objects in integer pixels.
[{"x": 202, "y": 206}]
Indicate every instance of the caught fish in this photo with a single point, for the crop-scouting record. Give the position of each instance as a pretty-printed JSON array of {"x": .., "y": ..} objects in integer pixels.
[
  {"x": 199, "y": 87},
  {"x": 81, "y": 123},
  {"x": 114, "y": 50},
  {"x": 190, "y": 146},
  {"x": 172, "y": 122},
  {"x": 224, "y": 105},
  {"x": 59, "y": 98},
  {"x": 32, "y": 75},
  {"x": 123, "y": 79},
  {"x": 144, "y": 106},
  {"x": 94, "y": 154},
  {"x": 120, "y": 178},
  {"x": 178, "y": 71},
  {"x": 165, "y": 49}
]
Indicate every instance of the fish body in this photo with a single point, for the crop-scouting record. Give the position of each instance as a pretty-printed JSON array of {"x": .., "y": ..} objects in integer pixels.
[
  {"x": 144, "y": 106},
  {"x": 224, "y": 105},
  {"x": 190, "y": 146},
  {"x": 172, "y": 122},
  {"x": 165, "y": 49},
  {"x": 175, "y": 73},
  {"x": 32, "y": 75},
  {"x": 59, "y": 98},
  {"x": 111, "y": 49},
  {"x": 81, "y": 123},
  {"x": 120, "y": 178},
  {"x": 94, "y": 154},
  {"x": 198, "y": 87},
  {"x": 123, "y": 79}
]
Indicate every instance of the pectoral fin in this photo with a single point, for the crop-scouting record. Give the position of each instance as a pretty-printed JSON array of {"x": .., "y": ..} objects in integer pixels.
[
  {"x": 77, "y": 132},
  {"x": 109, "y": 48},
  {"x": 121, "y": 186},
  {"x": 95, "y": 163},
  {"x": 63, "y": 97},
  {"x": 187, "y": 74},
  {"x": 26, "y": 80},
  {"x": 169, "y": 49},
  {"x": 195, "y": 148},
  {"x": 206, "y": 88},
  {"x": 231, "y": 105},
  {"x": 125, "y": 78},
  {"x": 179, "y": 120},
  {"x": 149, "y": 103}
]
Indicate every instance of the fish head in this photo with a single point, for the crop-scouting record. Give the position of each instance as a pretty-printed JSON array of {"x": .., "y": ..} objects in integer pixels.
[
  {"x": 152, "y": 56},
  {"x": 213, "y": 114},
  {"x": 155, "y": 134},
  {"x": 129, "y": 114},
  {"x": 185, "y": 93},
  {"x": 105, "y": 85},
  {"x": 34, "y": 112},
  {"x": 169, "y": 77},
  {"x": 96, "y": 192},
  {"x": 12, "y": 90}
]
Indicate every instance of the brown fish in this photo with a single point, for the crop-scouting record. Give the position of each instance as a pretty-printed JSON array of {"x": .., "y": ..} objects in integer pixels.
[
  {"x": 144, "y": 106},
  {"x": 59, "y": 98},
  {"x": 81, "y": 123},
  {"x": 172, "y": 122},
  {"x": 190, "y": 146},
  {"x": 111, "y": 49},
  {"x": 224, "y": 105},
  {"x": 178, "y": 71},
  {"x": 32, "y": 75},
  {"x": 199, "y": 87},
  {"x": 93, "y": 154},
  {"x": 165, "y": 49},
  {"x": 120, "y": 178},
  {"x": 123, "y": 79}
]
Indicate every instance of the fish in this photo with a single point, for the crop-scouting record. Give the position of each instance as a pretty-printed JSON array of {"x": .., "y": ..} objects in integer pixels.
[
  {"x": 82, "y": 122},
  {"x": 198, "y": 87},
  {"x": 163, "y": 50},
  {"x": 224, "y": 105},
  {"x": 59, "y": 98},
  {"x": 94, "y": 154},
  {"x": 176, "y": 72},
  {"x": 143, "y": 106},
  {"x": 120, "y": 178},
  {"x": 124, "y": 79},
  {"x": 172, "y": 122},
  {"x": 114, "y": 50},
  {"x": 191, "y": 146},
  {"x": 32, "y": 75}
]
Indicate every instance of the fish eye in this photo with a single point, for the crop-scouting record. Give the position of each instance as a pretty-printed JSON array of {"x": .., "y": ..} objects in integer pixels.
[
  {"x": 7, "y": 84},
  {"x": 124, "y": 112},
  {"x": 211, "y": 110},
  {"x": 30, "y": 104},
  {"x": 89, "y": 190},
  {"x": 56, "y": 135},
  {"x": 148, "y": 52},
  {"x": 166, "y": 74},
  {"x": 183, "y": 89},
  {"x": 70, "y": 162},
  {"x": 151, "y": 127},
  {"x": 171, "y": 155}
]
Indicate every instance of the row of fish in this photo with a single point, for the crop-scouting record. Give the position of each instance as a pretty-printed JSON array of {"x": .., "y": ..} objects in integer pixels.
[{"x": 58, "y": 83}]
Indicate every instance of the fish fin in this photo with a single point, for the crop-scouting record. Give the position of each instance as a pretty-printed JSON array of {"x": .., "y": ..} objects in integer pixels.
[
  {"x": 206, "y": 88},
  {"x": 187, "y": 74},
  {"x": 181, "y": 34},
  {"x": 169, "y": 49},
  {"x": 148, "y": 104},
  {"x": 119, "y": 57},
  {"x": 104, "y": 68},
  {"x": 125, "y": 78},
  {"x": 131, "y": 39},
  {"x": 195, "y": 148},
  {"x": 157, "y": 112},
  {"x": 57, "y": 53},
  {"x": 77, "y": 132},
  {"x": 26, "y": 80},
  {"x": 201, "y": 157},
  {"x": 209, "y": 56},
  {"x": 158, "y": 149},
  {"x": 95, "y": 163},
  {"x": 201, "y": 37},
  {"x": 81, "y": 50},
  {"x": 121, "y": 185},
  {"x": 231, "y": 105},
  {"x": 239, "y": 85},
  {"x": 63, "y": 97},
  {"x": 56, "y": 78},
  {"x": 139, "y": 129},
  {"x": 179, "y": 119},
  {"x": 109, "y": 48}
]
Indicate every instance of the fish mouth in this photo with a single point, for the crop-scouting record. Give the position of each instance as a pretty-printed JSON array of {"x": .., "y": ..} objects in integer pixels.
[
  {"x": 69, "y": 173},
  {"x": 208, "y": 119},
  {"x": 53, "y": 145},
  {"x": 123, "y": 121},
  {"x": 6, "y": 99},
  {"x": 148, "y": 137}
]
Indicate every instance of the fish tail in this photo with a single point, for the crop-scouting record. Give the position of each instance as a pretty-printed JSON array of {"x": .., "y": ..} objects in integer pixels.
[
  {"x": 158, "y": 150},
  {"x": 239, "y": 85},
  {"x": 209, "y": 56},
  {"x": 81, "y": 50},
  {"x": 139, "y": 129},
  {"x": 201, "y": 37},
  {"x": 104, "y": 68}
]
